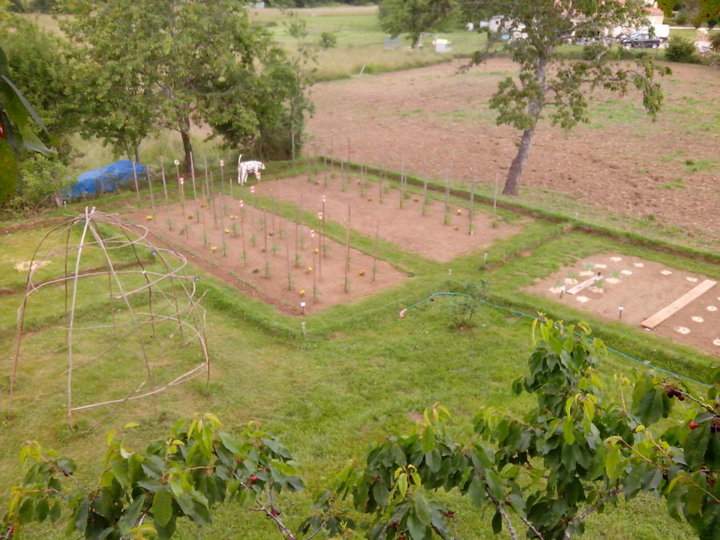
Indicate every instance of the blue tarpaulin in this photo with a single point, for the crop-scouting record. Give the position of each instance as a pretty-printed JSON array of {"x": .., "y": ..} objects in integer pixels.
[{"x": 106, "y": 178}]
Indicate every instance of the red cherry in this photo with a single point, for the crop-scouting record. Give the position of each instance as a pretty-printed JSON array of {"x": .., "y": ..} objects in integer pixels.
[
  {"x": 253, "y": 479},
  {"x": 692, "y": 424}
]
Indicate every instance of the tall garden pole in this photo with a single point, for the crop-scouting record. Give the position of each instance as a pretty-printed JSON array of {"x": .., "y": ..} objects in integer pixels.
[
  {"x": 242, "y": 230},
  {"x": 471, "y": 212},
  {"x": 135, "y": 179},
  {"x": 162, "y": 174},
  {"x": 152, "y": 197},
  {"x": 347, "y": 255}
]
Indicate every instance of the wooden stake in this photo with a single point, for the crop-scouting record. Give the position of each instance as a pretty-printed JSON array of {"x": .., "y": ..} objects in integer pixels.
[
  {"x": 446, "y": 219},
  {"x": 162, "y": 172},
  {"x": 347, "y": 256},
  {"x": 192, "y": 176},
  {"x": 242, "y": 231},
  {"x": 377, "y": 236},
  {"x": 137, "y": 187},
  {"x": 152, "y": 197},
  {"x": 471, "y": 212},
  {"x": 287, "y": 258}
]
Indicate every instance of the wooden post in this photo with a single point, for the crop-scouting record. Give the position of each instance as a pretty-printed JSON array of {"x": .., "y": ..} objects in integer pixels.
[
  {"x": 152, "y": 197},
  {"x": 471, "y": 212},
  {"x": 377, "y": 236},
  {"x": 162, "y": 172},
  {"x": 425, "y": 198},
  {"x": 446, "y": 218},
  {"x": 186, "y": 226},
  {"x": 222, "y": 220},
  {"x": 192, "y": 176},
  {"x": 242, "y": 231},
  {"x": 137, "y": 187},
  {"x": 347, "y": 256},
  {"x": 287, "y": 258}
]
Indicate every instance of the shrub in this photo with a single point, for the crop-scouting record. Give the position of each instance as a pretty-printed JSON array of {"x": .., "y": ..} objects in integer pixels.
[
  {"x": 681, "y": 50},
  {"x": 593, "y": 50},
  {"x": 715, "y": 42},
  {"x": 42, "y": 180},
  {"x": 328, "y": 40}
]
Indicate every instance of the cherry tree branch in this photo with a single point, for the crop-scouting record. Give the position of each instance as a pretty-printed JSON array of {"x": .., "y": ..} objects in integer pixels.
[
  {"x": 503, "y": 514},
  {"x": 610, "y": 495}
]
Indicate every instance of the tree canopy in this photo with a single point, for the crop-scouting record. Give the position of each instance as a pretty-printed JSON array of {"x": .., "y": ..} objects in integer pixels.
[
  {"x": 550, "y": 86},
  {"x": 413, "y": 17},
  {"x": 171, "y": 64}
]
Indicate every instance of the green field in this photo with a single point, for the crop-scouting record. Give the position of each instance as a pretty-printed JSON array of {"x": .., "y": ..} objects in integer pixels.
[{"x": 359, "y": 374}]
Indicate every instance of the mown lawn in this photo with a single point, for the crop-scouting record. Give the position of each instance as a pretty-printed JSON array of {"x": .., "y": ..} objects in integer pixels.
[{"x": 361, "y": 374}]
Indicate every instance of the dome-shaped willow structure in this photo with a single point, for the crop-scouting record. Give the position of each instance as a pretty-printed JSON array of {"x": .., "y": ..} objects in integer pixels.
[{"x": 117, "y": 306}]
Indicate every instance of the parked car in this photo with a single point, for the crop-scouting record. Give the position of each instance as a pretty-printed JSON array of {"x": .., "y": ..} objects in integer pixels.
[{"x": 641, "y": 40}]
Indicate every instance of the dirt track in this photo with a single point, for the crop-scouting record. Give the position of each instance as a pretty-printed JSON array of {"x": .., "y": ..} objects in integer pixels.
[{"x": 438, "y": 123}]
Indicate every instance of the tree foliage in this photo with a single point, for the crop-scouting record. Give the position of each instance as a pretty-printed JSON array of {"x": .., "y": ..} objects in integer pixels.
[
  {"x": 171, "y": 64},
  {"x": 700, "y": 11},
  {"x": 18, "y": 124},
  {"x": 548, "y": 85},
  {"x": 577, "y": 451},
  {"x": 413, "y": 17}
]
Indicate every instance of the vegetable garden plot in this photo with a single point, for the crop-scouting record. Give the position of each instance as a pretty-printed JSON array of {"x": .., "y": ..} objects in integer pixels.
[
  {"x": 684, "y": 305},
  {"x": 271, "y": 258},
  {"x": 416, "y": 225}
]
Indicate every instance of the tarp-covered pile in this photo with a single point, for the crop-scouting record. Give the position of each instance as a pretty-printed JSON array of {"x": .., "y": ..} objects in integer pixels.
[{"x": 106, "y": 178}]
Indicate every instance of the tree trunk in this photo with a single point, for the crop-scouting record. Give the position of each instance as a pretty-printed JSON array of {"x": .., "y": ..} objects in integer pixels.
[
  {"x": 187, "y": 147},
  {"x": 534, "y": 109},
  {"x": 513, "y": 176}
]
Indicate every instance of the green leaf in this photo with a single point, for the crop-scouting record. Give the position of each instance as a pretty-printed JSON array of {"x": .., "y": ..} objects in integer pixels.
[
  {"x": 380, "y": 494},
  {"x": 422, "y": 509},
  {"x": 613, "y": 463},
  {"x": 476, "y": 492},
  {"x": 42, "y": 509},
  {"x": 495, "y": 485},
  {"x": 402, "y": 484},
  {"x": 497, "y": 523},
  {"x": 162, "y": 507},
  {"x": 418, "y": 531},
  {"x": 26, "y": 510},
  {"x": 696, "y": 445},
  {"x": 568, "y": 430},
  {"x": 55, "y": 512}
]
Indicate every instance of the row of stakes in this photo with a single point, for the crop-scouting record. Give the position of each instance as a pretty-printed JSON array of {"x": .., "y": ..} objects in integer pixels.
[
  {"x": 405, "y": 195},
  {"x": 318, "y": 253}
]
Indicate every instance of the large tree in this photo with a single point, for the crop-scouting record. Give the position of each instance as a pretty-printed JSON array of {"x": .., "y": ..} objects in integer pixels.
[
  {"x": 548, "y": 84},
  {"x": 184, "y": 59},
  {"x": 413, "y": 17}
]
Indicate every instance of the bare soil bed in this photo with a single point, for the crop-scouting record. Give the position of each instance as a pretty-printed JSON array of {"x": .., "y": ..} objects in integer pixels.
[
  {"x": 438, "y": 123},
  {"x": 641, "y": 288},
  {"x": 425, "y": 231},
  {"x": 281, "y": 263}
]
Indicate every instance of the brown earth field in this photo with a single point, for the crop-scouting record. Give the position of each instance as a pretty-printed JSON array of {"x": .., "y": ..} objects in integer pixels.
[
  {"x": 268, "y": 257},
  {"x": 435, "y": 122},
  {"x": 282, "y": 258},
  {"x": 639, "y": 288},
  {"x": 430, "y": 231}
]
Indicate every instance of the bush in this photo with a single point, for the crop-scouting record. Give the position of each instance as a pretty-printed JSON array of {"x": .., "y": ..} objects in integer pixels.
[
  {"x": 42, "y": 180},
  {"x": 715, "y": 42},
  {"x": 681, "y": 50},
  {"x": 593, "y": 50},
  {"x": 682, "y": 18},
  {"x": 328, "y": 40}
]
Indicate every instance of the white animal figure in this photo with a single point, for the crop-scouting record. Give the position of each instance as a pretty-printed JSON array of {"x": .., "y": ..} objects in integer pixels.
[{"x": 247, "y": 167}]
